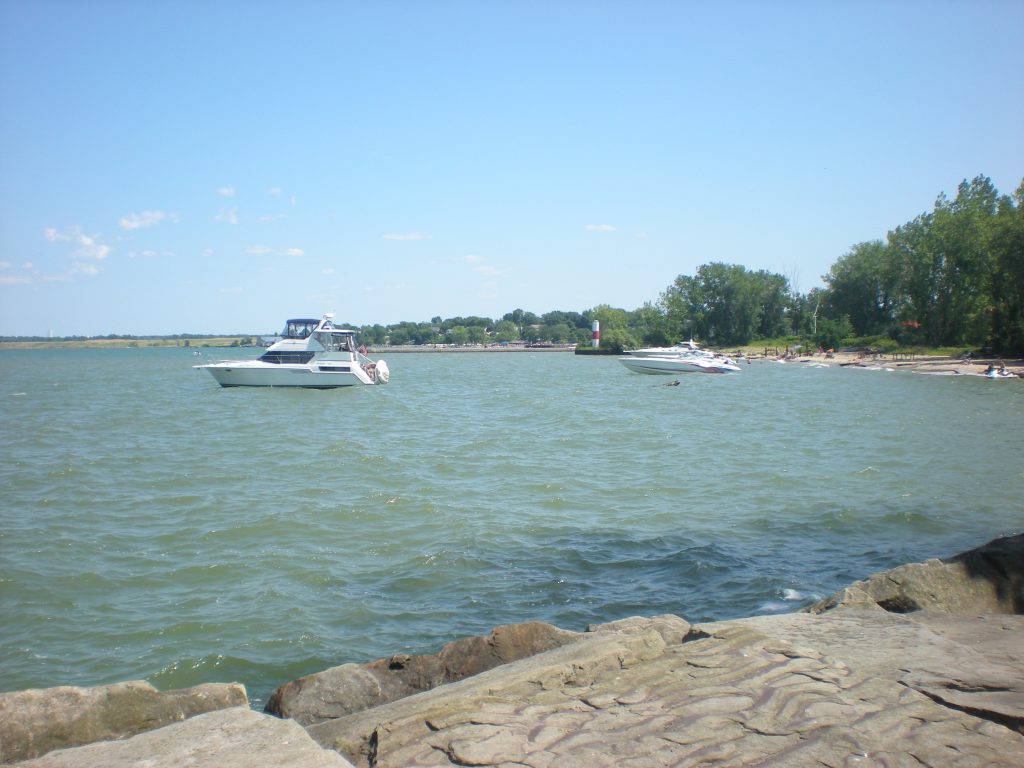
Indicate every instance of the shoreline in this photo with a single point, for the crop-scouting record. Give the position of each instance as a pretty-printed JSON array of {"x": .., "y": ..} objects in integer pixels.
[
  {"x": 943, "y": 365},
  {"x": 899, "y": 361}
]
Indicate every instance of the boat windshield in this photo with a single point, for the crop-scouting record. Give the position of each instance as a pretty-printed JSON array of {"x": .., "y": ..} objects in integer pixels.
[
  {"x": 299, "y": 329},
  {"x": 337, "y": 342}
]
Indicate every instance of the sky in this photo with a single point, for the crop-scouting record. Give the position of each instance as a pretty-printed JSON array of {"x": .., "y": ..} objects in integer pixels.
[{"x": 177, "y": 166}]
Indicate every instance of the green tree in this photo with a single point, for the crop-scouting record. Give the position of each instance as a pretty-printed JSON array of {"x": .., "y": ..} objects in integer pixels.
[
  {"x": 648, "y": 323},
  {"x": 722, "y": 304},
  {"x": 617, "y": 340},
  {"x": 863, "y": 285},
  {"x": 946, "y": 265},
  {"x": 609, "y": 317},
  {"x": 572, "y": 319},
  {"x": 458, "y": 334},
  {"x": 683, "y": 307},
  {"x": 1007, "y": 293},
  {"x": 506, "y": 330},
  {"x": 774, "y": 300},
  {"x": 559, "y": 333},
  {"x": 832, "y": 333}
]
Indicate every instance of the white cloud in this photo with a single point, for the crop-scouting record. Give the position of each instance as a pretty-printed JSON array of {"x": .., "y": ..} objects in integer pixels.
[
  {"x": 81, "y": 268},
  {"x": 229, "y": 215},
  {"x": 142, "y": 220},
  {"x": 274, "y": 191},
  {"x": 407, "y": 237},
  {"x": 600, "y": 228},
  {"x": 263, "y": 250},
  {"x": 472, "y": 258},
  {"x": 226, "y": 191},
  {"x": 149, "y": 254},
  {"x": 15, "y": 280},
  {"x": 89, "y": 246}
]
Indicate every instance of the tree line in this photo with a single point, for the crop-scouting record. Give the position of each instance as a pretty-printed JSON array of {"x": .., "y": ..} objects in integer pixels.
[{"x": 952, "y": 277}]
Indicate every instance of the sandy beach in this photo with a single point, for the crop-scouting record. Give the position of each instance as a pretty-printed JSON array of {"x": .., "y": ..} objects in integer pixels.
[{"x": 943, "y": 365}]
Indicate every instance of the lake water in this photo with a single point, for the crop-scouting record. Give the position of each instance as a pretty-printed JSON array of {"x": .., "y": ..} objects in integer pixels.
[{"x": 156, "y": 526}]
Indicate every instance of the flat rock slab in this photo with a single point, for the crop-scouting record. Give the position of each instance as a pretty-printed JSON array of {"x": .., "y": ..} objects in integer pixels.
[
  {"x": 37, "y": 721},
  {"x": 228, "y": 738},
  {"x": 734, "y": 694},
  {"x": 969, "y": 662}
]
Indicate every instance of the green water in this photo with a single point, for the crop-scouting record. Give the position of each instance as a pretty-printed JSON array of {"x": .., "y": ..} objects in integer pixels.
[{"x": 156, "y": 526}]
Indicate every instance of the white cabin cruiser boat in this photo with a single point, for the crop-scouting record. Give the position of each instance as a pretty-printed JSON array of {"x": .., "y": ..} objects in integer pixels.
[
  {"x": 311, "y": 353},
  {"x": 668, "y": 364}
]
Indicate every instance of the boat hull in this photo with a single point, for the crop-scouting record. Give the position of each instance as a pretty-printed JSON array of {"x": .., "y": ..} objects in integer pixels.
[
  {"x": 665, "y": 366},
  {"x": 254, "y": 374}
]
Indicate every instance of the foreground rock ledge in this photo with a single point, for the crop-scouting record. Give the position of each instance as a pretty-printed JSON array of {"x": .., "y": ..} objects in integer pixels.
[
  {"x": 914, "y": 667},
  {"x": 733, "y": 694},
  {"x": 228, "y": 738}
]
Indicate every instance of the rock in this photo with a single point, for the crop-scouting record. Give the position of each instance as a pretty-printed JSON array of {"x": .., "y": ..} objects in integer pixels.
[
  {"x": 969, "y": 663},
  {"x": 351, "y": 688},
  {"x": 989, "y": 579},
  {"x": 733, "y": 694},
  {"x": 400, "y": 732},
  {"x": 228, "y": 738},
  {"x": 673, "y": 630},
  {"x": 34, "y": 722}
]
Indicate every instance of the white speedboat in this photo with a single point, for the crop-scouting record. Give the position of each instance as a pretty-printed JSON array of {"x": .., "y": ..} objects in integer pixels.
[
  {"x": 668, "y": 364},
  {"x": 311, "y": 353}
]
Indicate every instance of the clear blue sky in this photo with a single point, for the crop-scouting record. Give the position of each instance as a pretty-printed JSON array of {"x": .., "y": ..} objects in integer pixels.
[{"x": 179, "y": 166}]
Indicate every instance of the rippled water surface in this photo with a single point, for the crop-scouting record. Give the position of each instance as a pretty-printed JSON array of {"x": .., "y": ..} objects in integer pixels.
[{"x": 156, "y": 526}]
